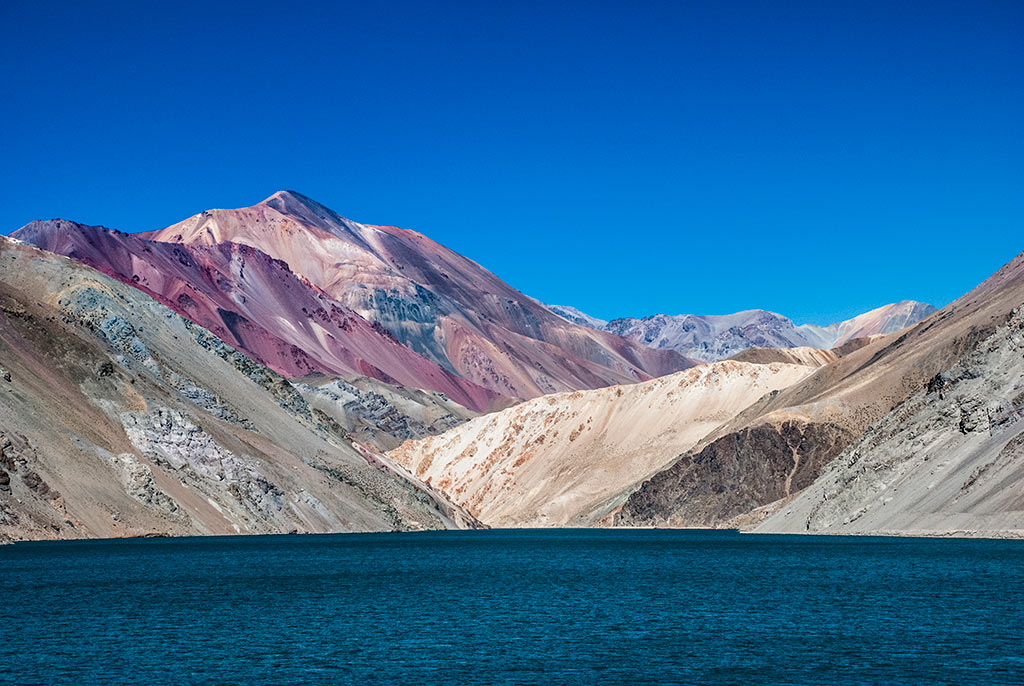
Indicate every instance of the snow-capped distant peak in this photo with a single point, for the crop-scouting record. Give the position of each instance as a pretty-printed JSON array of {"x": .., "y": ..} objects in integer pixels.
[{"x": 715, "y": 337}]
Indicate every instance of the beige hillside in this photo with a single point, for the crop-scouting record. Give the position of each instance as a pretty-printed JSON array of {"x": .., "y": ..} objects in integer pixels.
[
  {"x": 567, "y": 459},
  {"x": 811, "y": 357}
]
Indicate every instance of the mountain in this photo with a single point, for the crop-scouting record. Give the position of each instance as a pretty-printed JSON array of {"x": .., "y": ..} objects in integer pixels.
[
  {"x": 119, "y": 417},
  {"x": 716, "y": 337},
  {"x": 569, "y": 459},
  {"x": 256, "y": 304},
  {"x": 440, "y": 304},
  {"x": 886, "y": 438},
  {"x": 886, "y": 319},
  {"x": 143, "y": 392}
]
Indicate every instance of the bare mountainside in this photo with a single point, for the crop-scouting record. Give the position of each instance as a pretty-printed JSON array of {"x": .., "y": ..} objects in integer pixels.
[
  {"x": 257, "y": 304},
  {"x": 568, "y": 459},
  {"x": 440, "y": 304},
  {"x": 755, "y": 464},
  {"x": 119, "y": 418},
  {"x": 716, "y": 337}
]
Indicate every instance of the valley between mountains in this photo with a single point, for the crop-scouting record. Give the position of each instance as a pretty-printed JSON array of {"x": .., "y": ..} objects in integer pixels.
[{"x": 280, "y": 368}]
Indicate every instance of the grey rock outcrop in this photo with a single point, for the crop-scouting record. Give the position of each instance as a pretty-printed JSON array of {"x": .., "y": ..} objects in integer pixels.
[
  {"x": 735, "y": 474},
  {"x": 169, "y": 437},
  {"x": 381, "y": 415}
]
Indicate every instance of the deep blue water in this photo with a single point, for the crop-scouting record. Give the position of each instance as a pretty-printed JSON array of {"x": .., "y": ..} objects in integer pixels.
[{"x": 513, "y": 607}]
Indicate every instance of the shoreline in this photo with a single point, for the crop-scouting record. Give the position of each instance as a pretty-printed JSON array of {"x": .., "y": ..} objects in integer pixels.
[{"x": 930, "y": 535}]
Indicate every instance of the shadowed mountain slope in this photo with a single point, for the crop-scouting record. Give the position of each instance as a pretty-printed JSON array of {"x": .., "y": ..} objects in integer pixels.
[{"x": 118, "y": 417}]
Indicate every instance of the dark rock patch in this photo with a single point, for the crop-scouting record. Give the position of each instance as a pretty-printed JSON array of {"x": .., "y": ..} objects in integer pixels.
[{"x": 735, "y": 474}]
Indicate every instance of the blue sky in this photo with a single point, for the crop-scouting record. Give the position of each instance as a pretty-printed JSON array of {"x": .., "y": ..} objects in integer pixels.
[{"x": 816, "y": 159}]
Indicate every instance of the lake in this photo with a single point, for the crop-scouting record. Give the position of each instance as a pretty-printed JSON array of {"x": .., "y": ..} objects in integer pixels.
[{"x": 513, "y": 607}]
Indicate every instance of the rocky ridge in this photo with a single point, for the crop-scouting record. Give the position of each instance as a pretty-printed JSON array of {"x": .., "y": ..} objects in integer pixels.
[{"x": 381, "y": 415}]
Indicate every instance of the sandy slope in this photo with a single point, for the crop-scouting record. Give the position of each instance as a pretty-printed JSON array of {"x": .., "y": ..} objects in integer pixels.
[
  {"x": 565, "y": 459},
  {"x": 811, "y": 357}
]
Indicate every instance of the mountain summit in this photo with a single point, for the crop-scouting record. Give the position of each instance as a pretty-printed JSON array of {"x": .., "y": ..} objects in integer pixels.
[
  {"x": 438, "y": 303},
  {"x": 255, "y": 303}
]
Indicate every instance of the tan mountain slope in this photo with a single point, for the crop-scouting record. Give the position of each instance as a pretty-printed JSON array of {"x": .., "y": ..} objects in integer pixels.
[
  {"x": 119, "y": 417},
  {"x": 809, "y": 357},
  {"x": 779, "y": 446},
  {"x": 566, "y": 459}
]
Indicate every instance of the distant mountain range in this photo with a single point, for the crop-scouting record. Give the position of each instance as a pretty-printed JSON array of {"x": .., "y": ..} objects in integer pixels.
[{"x": 716, "y": 337}]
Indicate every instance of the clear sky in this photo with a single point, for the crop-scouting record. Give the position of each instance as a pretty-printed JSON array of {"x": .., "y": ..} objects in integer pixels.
[{"x": 817, "y": 159}]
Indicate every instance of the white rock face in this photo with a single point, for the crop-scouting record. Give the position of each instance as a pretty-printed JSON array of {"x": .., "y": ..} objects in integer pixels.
[
  {"x": 568, "y": 459},
  {"x": 950, "y": 459},
  {"x": 169, "y": 437}
]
